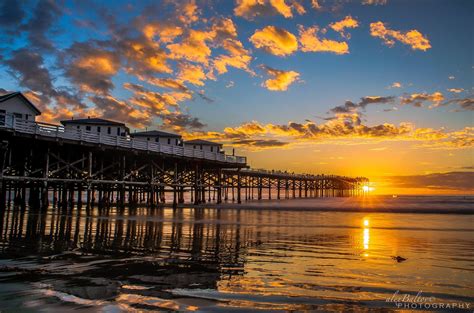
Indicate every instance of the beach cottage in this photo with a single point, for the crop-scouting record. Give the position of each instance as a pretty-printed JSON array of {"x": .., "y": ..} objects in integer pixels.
[
  {"x": 16, "y": 106},
  {"x": 159, "y": 136},
  {"x": 204, "y": 145},
  {"x": 97, "y": 125}
]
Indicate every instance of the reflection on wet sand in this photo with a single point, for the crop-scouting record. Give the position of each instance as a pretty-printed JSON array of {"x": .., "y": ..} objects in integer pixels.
[{"x": 210, "y": 259}]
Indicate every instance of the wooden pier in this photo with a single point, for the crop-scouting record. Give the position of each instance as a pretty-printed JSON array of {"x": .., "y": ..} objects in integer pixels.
[{"x": 43, "y": 163}]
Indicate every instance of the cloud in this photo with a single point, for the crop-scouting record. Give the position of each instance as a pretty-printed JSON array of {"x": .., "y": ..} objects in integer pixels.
[
  {"x": 91, "y": 68},
  {"x": 237, "y": 57},
  {"x": 191, "y": 73},
  {"x": 44, "y": 15},
  {"x": 187, "y": 11},
  {"x": 315, "y": 4},
  {"x": 395, "y": 85},
  {"x": 179, "y": 121},
  {"x": 163, "y": 32},
  {"x": 350, "y": 107},
  {"x": 28, "y": 68},
  {"x": 451, "y": 77},
  {"x": 193, "y": 47},
  {"x": 435, "y": 181},
  {"x": 274, "y": 40},
  {"x": 374, "y": 2},
  {"x": 455, "y": 90},
  {"x": 310, "y": 42},
  {"x": 169, "y": 83},
  {"x": 11, "y": 13},
  {"x": 118, "y": 110},
  {"x": 413, "y": 38},
  {"x": 418, "y": 99},
  {"x": 250, "y": 9},
  {"x": 347, "y": 22},
  {"x": 465, "y": 104},
  {"x": 260, "y": 144},
  {"x": 280, "y": 80}
]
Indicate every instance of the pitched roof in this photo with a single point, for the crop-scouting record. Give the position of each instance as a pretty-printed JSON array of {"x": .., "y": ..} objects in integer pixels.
[
  {"x": 155, "y": 133},
  {"x": 202, "y": 142},
  {"x": 93, "y": 121},
  {"x": 19, "y": 94}
]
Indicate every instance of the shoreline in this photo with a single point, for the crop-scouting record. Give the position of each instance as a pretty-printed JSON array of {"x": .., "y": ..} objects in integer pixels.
[{"x": 367, "y": 205}]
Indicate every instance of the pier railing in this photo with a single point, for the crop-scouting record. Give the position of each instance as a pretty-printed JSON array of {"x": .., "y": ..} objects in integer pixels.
[{"x": 8, "y": 121}]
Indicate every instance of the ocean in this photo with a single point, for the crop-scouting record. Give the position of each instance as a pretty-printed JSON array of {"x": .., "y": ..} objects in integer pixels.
[{"x": 377, "y": 254}]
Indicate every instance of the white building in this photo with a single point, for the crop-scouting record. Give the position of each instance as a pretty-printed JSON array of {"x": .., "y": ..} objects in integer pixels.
[
  {"x": 97, "y": 125},
  {"x": 204, "y": 145},
  {"x": 16, "y": 106},
  {"x": 158, "y": 136}
]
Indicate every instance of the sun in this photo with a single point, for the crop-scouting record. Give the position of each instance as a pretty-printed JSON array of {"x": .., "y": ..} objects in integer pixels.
[{"x": 366, "y": 188}]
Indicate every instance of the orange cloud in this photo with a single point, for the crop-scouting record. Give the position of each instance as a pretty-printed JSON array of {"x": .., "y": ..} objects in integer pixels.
[
  {"x": 193, "y": 47},
  {"x": 347, "y": 22},
  {"x": 238, "y": 57},
  {"x": 188, "y": 11},
  {"x": 191, "y": 73},
  {"x": 280, "y": 79},
  {"x": 249, "y": 9},
  {"x": 274, "y": 40},
  {"x": 311, "y": 43},
  {"x": 144, "y": 57},
  {"x": 315, "y": 4},
  {"x": 166, "y": 33},
  {"x": 91, "y": 68},
  {"x": 413, "y": 38},
  {"x": 417, "y": 99}
]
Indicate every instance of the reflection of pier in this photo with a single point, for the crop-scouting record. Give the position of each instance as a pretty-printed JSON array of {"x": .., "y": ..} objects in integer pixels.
[
  {"x": 165, "y": 241},
  {"x": 64, "y": 164}
]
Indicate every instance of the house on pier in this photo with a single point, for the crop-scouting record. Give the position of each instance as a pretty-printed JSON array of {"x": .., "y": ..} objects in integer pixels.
[
  {"x": 97, "y": 125},
  {"x": 206, "y": 146},
  {"x": 16, "y": 106},
  {"x": 159, "y": 136}
]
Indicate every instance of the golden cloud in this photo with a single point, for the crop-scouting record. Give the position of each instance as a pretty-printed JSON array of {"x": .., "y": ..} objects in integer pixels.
[
  {"x": 456, "y": 90},
  {"x": 315, "y": 4},
  {"x": 193, "y": 47},
  {"x": 249, "y": 9},
  {"x": 191, "y": 73},
  {"x": 238, "y": 57},
  {"x": 274, "y": 40},
  {"x": 311, "y": 43},
  {"x": 347, "y": 22},
  {"x": 342, "y": 128},
  {"x": 280, "y": 80},
  {"x": 417, "y": 99},
  {"x": 166, "y": 33},
  {"x": 413, "y": 38}
]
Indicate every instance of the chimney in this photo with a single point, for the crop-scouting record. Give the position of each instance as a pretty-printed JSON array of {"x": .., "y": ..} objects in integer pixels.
[{"x": 88, "y": 117}]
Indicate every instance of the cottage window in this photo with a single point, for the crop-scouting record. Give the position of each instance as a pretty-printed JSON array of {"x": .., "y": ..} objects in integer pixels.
[
  {"x": 98, "y": 129},
  {"x": 118, "y": 131},
  {"x": 109, "y": 130},
  {"x": 201, "y": 147},
  {"x": 18, "y": 115},
  {"x": 88, "y": 128},
  {"x": 157, "y": 139},
  {"x": 194, "y": 147},
  {"x": 176, "y": 141},
  {"x": 78, "y": 127},
  {"x": 212, "y": 149}
]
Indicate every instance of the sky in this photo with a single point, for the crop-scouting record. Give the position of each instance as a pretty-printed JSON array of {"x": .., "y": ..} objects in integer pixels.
[{"x": 374, "y": 88}]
